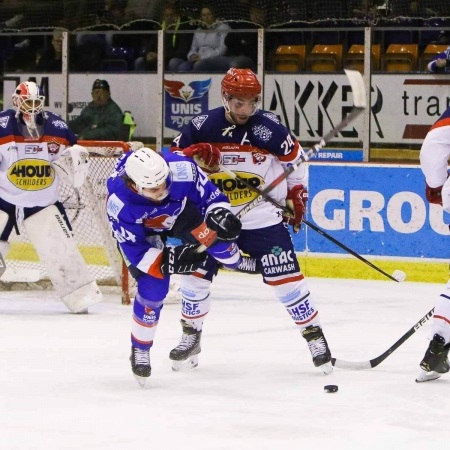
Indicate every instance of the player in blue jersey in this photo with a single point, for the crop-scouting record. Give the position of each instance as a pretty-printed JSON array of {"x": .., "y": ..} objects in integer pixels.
[
  {"x": 37, "y": 151},
  {"x": 257, "y": 147},
  {"x": 150, "y": 198}
]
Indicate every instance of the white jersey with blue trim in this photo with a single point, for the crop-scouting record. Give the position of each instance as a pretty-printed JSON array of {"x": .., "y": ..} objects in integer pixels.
[
  {"x": 26, "y": 176},
  {"x": 435, "y": 152},
  {"x": 257, "y": 151}
]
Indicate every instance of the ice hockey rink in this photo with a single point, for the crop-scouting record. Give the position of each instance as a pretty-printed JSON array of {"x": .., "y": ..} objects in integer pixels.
[{"x": 66, "y": 382}]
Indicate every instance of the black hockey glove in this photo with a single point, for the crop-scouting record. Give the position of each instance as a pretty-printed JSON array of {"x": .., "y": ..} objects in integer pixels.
[
  {"x": 182, "y": 259},
  {"x": 224, "y": 223}
]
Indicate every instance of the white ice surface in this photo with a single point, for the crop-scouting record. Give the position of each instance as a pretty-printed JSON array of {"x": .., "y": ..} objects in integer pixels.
[{"x": 66, "y": 382}]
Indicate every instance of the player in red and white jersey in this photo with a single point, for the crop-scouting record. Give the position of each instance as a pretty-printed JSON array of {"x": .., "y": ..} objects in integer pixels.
[
  {"x": 434, "y": 156},
  {"x": 257, "y": 147},
  {"x": 37, "y": 149}
]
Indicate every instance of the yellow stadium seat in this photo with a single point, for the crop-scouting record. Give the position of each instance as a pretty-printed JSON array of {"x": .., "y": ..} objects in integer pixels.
[
  {"x": 354, "y": 58},
  {"x": 430, "y": 51},
  {"x": 288, "y": 58},
  {"x": 325, "y": 58},
  {"x": 400, "y": 58}
]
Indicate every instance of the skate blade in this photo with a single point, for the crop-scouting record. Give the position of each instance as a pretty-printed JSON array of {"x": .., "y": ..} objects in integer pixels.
[
  {"x": 187, "y": 364},
  {"x": 427, "y": 376},
  {"x": 326, "y": 368},
  {"x": 141, "y": 380}
]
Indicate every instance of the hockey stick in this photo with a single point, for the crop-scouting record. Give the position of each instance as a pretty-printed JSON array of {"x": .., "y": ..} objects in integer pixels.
[
  {"x": 398, "y": 274},
  {"x": 362, "y": 365},
  {"x": 359, "y": 105}
]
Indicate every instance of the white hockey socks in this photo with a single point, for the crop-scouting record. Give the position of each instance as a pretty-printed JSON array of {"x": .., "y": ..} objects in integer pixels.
[{"x": 196, "y": 301}]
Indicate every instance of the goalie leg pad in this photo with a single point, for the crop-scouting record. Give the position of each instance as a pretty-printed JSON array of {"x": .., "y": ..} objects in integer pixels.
[{"x": 56, "y": 248}]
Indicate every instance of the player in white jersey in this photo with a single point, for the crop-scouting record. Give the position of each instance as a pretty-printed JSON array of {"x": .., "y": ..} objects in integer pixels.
[
  {"x": 257, "y": 147},
  {"x": 434, "y": 156},
  {"x": 36, "y": 150}
]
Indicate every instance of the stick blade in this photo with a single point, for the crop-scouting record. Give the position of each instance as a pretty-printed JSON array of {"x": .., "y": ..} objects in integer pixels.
[{"x": 358, "y": 87}]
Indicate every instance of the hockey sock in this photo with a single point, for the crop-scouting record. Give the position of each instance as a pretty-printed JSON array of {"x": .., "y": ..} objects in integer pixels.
[
  {"x": 196, "y": 302},
  {"x": 145, "y": 320}
]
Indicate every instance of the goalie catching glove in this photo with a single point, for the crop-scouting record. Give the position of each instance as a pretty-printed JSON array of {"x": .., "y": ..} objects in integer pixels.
[
  {"x": 72, "y": 166},
  {"x": 224, "y": 223},
  {"x": 207, "y": 156},
  {"x": 182, "y": 259},
  {"x": 296, "y": 202}
]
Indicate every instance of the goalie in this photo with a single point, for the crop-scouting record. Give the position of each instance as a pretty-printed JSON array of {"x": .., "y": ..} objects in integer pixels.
[{"x": 37, "y": 149}]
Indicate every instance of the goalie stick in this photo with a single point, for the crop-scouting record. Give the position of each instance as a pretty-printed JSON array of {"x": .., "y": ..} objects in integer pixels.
[
  {"x": 398, "y": 274},
  {"x": 359, "y": 105},
  {"x": 362, "y": 365}
]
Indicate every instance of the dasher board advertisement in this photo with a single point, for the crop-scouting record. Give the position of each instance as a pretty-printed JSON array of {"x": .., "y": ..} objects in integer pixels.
[
  {"x": 403, "y": 107},
  {"x": 375, "y": 210}
]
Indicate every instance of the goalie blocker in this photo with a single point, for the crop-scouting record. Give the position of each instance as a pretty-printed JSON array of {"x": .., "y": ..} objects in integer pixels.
[{"x": 56, "y": 248}]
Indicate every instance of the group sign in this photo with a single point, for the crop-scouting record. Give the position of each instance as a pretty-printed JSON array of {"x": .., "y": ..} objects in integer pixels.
[{"x": 375, "y": 210}]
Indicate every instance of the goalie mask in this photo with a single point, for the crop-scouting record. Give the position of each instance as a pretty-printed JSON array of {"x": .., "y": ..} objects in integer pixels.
[
  {"x": 150, "y": 174},
  {"x": 28, "y": 101},
  {"x": 241, "y": 94}
]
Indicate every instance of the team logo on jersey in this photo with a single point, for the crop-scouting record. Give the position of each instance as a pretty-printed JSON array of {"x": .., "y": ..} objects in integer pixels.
[
  {"x": 238, "y": 193},
  {"x": 262, "y": 133},
  {"x": 161, "y": 222},
  {"x": 31, "y": 174},
  {"x": 272, "y": 117},
  {"x": 59, "y": 124},
  {"x": 53, "y": 147},
  {"x": 4, "y": 122},
  {"x": 258, "y": 158},
  {"x": 183, "y": 102},
  {"x": 31, "y": 149},
  {"x": 198, "y": 121}
]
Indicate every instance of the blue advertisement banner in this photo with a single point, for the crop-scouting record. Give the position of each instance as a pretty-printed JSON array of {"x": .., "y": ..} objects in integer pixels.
[
  {"x": 374, "y": 210},
  {"x": 339, "y": 155}
]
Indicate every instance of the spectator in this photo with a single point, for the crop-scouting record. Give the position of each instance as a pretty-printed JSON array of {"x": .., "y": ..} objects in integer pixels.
[
  {"x": 142, "y": 9},
  {"x": 102, "y": 118},
  {"x": 49, "y": 59},
  {"x": 208, "y": 41},
  {"x": 440, "y": 63},
  {"x": 176, "y": 46}
]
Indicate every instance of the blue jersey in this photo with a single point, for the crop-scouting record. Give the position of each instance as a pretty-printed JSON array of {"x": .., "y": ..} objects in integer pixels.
[{"x": 137, "y": 222}]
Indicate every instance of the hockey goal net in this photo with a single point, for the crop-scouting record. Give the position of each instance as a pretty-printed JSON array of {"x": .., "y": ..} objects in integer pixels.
[{"x": 86, "y": 212}]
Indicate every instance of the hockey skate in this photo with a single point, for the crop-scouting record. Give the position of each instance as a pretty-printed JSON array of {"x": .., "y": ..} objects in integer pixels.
[
  {"x": 184, "y": 355},
  {"x": 140, "y": 364},
  {"x": 318, "y": 347},
  {"x": 435, "y": 362}
]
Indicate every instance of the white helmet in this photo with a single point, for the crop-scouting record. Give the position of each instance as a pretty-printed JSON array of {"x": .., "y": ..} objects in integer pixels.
[
  {"x": 147, "y": 169},
  {"x": 28, "y": 100}
]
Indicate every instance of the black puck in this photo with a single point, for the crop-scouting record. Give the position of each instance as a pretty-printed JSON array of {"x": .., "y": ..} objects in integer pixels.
[{"x": 330, "y": 388}]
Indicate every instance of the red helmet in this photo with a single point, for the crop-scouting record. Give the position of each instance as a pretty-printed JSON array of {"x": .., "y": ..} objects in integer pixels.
[{"x": 241, "y": 83}]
